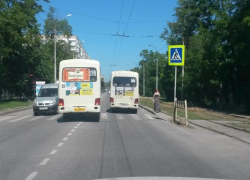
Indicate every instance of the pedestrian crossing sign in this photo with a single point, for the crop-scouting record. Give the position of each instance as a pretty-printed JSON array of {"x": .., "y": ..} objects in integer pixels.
[{"x": 176, "y": 55}]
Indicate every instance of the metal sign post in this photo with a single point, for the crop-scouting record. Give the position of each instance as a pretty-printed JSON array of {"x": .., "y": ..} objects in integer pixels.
[{"x": 176, "y": 57}]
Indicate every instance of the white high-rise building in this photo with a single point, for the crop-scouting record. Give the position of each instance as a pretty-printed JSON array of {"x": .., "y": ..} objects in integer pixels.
[{"x": 78, "y": 51}]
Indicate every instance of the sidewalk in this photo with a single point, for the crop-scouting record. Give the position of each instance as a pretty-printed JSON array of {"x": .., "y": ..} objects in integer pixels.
[{"x": 232, "y": 132}]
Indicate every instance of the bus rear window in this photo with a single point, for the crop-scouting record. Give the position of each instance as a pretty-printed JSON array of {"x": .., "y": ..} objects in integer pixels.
[
  {"x": 79, "y": 74},
  {"x": 124, "y": 81}
]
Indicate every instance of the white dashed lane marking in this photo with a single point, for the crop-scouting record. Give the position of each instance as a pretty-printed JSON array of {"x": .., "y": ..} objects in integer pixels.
[
  {"x": 44, "y": 162},
  {"x": 53, "y": 152},
  {"x": 65, "y": 139},
  {"x": 19, "y": 119},
  {"x": 60, "y": 144},
  {"x": 69, "y": 134},
  {"x": 73, "y": 130},
  {"x": 75, "y": 127},
  {"x": 31, "y": 176}
]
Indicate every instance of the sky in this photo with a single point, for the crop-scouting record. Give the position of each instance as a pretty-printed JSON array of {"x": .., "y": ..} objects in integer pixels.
[{"x": 101, "y": 24}]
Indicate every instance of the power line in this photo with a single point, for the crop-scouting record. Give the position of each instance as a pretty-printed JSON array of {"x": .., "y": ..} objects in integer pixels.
[
  {"x": 117, "y": 32},
  {"x": 125, "y": 30}
]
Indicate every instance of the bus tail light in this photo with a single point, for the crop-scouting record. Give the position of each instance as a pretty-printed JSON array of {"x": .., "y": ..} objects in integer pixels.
[
  {"x": 61, "y": 102},
  {"x": 97, "y": 101},
  {"x": 112, "y": 100},
  {"x": 136, "y": 101}
]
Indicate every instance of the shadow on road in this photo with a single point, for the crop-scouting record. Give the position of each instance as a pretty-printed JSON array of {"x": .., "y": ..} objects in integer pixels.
[
  {"x": 121, "y": 111},
  {"x": 79, "y": 118}
]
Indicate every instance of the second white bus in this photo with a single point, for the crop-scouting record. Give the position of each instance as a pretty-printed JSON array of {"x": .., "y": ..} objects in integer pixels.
[
  {"x": 124, "y": 90},
  {"x": 79, "y": 87}
]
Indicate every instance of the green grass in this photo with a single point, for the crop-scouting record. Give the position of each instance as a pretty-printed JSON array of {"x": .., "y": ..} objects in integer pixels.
[
  {"x": 193, "y": 113},
  {"x": 13, "y": 104}
]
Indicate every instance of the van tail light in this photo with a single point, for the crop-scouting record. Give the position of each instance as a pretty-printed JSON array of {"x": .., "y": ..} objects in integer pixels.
[
  {"x": 61, "y": 102},
  {"x": 97, "y": 101},
  {"x": 136, "y": 101},
  {"x": 112, "y": 100}
]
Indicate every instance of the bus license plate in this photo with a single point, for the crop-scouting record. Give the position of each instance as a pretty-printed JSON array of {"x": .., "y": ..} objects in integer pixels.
[{"x": 79, "y": 109}]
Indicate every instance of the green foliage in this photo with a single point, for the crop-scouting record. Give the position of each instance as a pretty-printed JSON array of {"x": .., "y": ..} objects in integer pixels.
[{"x": 217, "y": 39}]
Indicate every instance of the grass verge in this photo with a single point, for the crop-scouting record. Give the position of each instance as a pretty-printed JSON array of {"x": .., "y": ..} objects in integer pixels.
[
  {"x": 193, "y": 113},
  {"x": 4, "y": 105}
]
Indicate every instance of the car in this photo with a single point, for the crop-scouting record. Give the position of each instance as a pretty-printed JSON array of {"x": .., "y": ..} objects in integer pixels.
[{"x": 47, "y": 99}]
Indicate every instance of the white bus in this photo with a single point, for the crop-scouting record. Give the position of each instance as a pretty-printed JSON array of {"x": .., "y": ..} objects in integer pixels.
[
  {"x": 79, "y": 87},
  {"x": 124, "y": 90}
]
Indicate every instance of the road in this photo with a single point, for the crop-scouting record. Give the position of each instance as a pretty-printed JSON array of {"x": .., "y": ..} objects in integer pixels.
[{"x": 47, "y": 147}]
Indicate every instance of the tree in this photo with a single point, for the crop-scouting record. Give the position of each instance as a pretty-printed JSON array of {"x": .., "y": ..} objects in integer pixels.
[{"x": 19, "y": 42}]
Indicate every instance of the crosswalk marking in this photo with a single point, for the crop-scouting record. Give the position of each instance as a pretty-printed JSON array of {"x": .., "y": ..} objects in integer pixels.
[
  {"x": 104, "y": 116},
  {"x": 54, "y": 117},
  {"x": 18, "y": 119},
  {"x": 5, "y": 118},
  {"x": 119, "y": 116},
  {"x": 35, "y": 118},
  {"x": 148, "y": 116},
  {"x": 136, "y": 117}
]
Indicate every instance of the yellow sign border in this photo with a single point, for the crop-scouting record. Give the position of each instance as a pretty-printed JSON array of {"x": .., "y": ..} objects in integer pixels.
[{"x": 183, "y": 55}]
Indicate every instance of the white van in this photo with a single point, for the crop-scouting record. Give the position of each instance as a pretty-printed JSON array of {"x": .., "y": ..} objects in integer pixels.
[
  {"x": 79, "y": 87},
  {"x": 124, "y": 90}
]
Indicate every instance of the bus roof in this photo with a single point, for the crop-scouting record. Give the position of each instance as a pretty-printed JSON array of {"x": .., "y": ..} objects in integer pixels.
[
  {"x": 51, "y": 85},
  {"x": 124, "y": 73},
  {"x": 86, "y": 61}
]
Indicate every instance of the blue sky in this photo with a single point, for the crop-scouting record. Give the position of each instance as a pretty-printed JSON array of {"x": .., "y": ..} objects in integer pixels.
[{"x": 96, "y": 22}]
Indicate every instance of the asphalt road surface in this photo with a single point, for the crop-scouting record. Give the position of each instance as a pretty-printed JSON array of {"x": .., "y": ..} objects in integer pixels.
[{"x": 48, "y": 147}]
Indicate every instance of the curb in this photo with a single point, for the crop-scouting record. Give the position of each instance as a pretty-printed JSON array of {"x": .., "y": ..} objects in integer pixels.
[
  {"x": 14, "y": 110},
  {"x": 146, "y": 108},
  {"x": 234, "y": 137}
]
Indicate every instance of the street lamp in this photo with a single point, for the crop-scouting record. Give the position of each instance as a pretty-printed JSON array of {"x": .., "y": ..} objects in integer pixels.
[{"x": 156, "y": 83}]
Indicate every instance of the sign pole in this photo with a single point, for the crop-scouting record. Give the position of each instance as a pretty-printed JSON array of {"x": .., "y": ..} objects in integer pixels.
[{"x": 175, "y": 77}]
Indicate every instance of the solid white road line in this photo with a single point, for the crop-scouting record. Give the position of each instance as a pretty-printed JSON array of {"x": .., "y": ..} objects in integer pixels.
[
  {"x": 60, "y": 144},
  {"x": 73, "y": 130},
  {"x": 149, "y": 116},
  {"x": 136, "y": 117},
  {"x": 53, "y": 152},
  {"x": 65, "y": 138},
  {"x": 31, "y": 176},
  {"x": 44, "y": 162},
  {"x": 35, "y": 118},
  {"x": 69, "y": 134},
  {"x": 5, "y": 118},
  {"x": 54, "y": 117},
  {"x": 18, "y": 119}
]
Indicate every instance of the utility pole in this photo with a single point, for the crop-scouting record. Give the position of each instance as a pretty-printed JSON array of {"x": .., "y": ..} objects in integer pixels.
[
  {"x": 143, "y": 67},
  {"x": 156, "y": 78},
  {"x": 156, "y": 72},
  {"x": 182, "y": 77},
  {"x": 55, "y": 54}
]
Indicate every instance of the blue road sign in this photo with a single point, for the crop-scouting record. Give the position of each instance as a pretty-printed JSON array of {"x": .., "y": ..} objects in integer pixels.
[{"x": 176, "y": 55}]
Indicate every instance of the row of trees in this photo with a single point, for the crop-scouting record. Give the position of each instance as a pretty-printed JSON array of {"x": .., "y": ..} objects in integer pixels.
[
  {"x": 23, "y": 56},
  {"x": 216, "y": 34}
]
